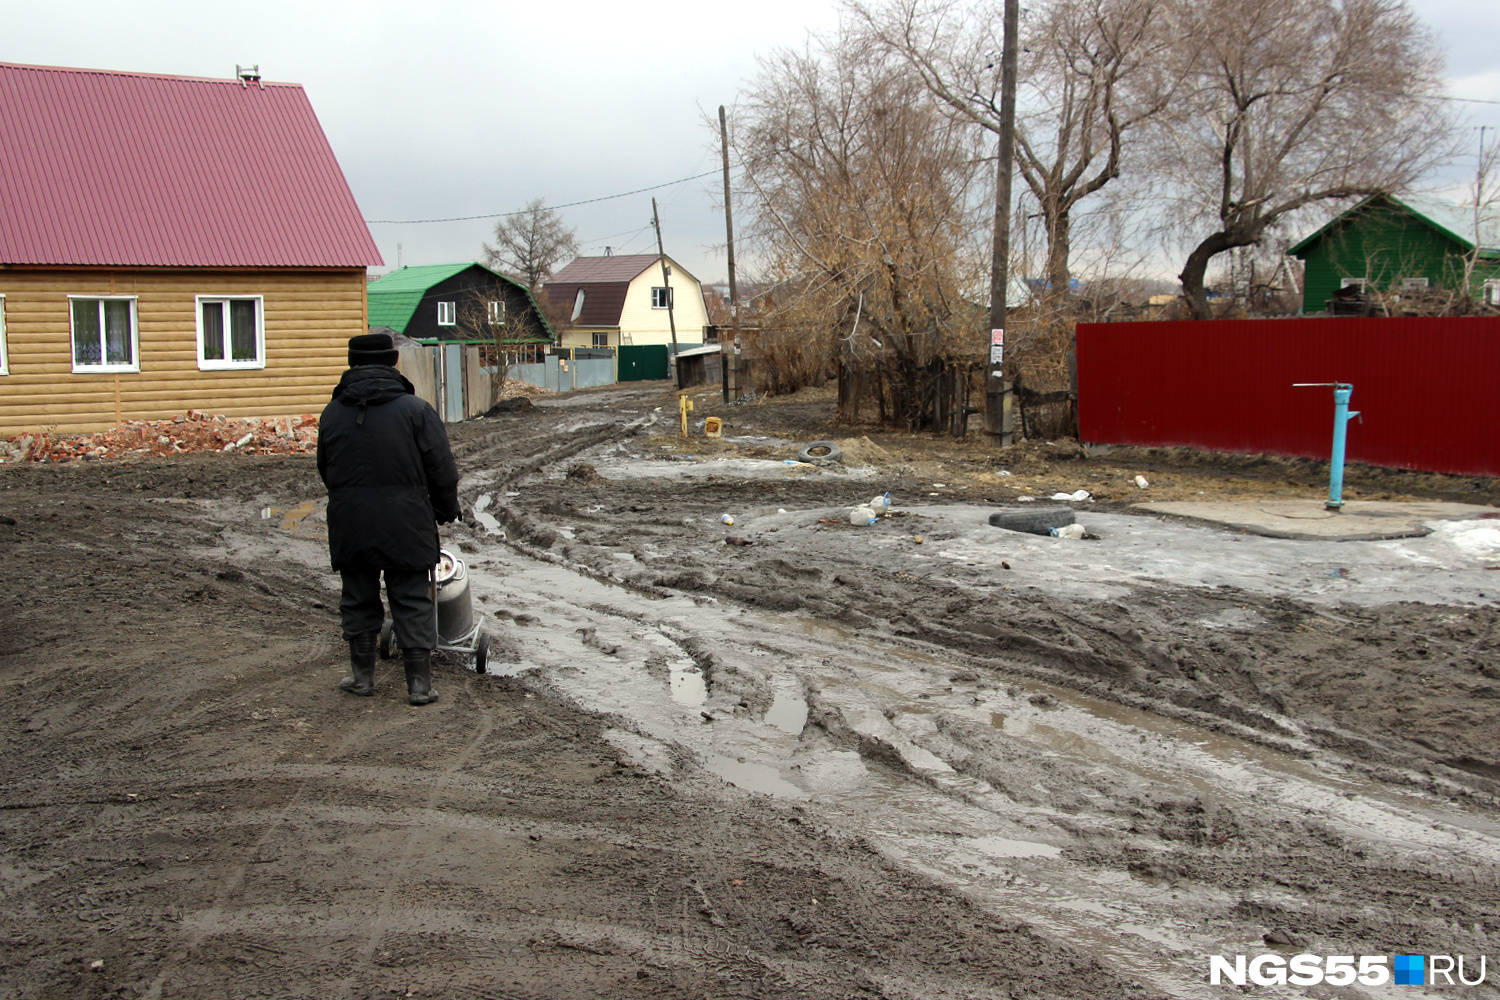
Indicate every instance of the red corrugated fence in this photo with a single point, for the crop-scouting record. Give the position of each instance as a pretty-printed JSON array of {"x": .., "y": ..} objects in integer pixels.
[{"x": 1426, "y": 388}]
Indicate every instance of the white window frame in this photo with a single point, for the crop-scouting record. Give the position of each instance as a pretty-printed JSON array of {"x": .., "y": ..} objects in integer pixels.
[
  {"x": 1362, "y": 283},
  {"x": 660, "y": 293},
  {"x": 597, "y": 335},
  {"x": 447, "y": 314},
  {"x": 1415, "y": 283},
  {"x": 207, "y": 364},
  {"x": 497, "y": 312},
  {"x": 4, "y": 353},
  {"x": 135, "y": 336},
  {"x": 1492, "y": 291}
]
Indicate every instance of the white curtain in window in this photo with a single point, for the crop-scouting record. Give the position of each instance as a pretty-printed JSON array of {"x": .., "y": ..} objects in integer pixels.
[
  {"x": 117, "y": 346},
  {"x": 86, "y": 332}
]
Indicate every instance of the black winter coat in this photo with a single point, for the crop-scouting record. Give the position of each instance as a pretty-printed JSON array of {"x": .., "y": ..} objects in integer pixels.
[{"x": 384, "y": 456}]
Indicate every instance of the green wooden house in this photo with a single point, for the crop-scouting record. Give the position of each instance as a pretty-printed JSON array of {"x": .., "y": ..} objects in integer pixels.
[
  {"x": 462, "y": 303},
  {"x": 1386, "y": 244}
]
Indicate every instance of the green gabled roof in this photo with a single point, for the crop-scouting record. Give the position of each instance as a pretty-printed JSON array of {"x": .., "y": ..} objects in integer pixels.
[
  {"x": 394, "y": 298},
  {"x": 1450, "y": 219}
]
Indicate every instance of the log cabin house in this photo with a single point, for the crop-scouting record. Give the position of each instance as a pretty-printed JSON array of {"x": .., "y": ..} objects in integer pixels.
[{"x": 169, "y": 243}]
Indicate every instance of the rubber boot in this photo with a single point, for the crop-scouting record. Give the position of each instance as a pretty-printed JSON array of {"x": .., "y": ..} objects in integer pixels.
[
  {"x": 362, "y": 658},
  {"x": 419, "y": 690}
]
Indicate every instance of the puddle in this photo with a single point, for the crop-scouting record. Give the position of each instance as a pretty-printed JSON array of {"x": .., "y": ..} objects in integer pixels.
[
  {"x": 788, "y": 712},
  {"x": 490, "y": 523},
  {"x": 1000, "y": 847},
  {"x": 687, "y": 686},
  {"x": 292, "y": 518},
  {"x": 751, "y": 777}
]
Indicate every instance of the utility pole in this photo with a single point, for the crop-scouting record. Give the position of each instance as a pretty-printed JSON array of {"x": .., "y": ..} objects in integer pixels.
[
  {"x": 666, "y": 280},
  {"x": 998, "y": 420},
  {"x": 730, "y": 358}
]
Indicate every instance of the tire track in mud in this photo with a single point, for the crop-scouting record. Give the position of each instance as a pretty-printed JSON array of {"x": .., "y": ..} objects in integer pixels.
[
  {"x": 382, "y": 922},
  {"x": 1142, "y": 652},
  {"x": 249, "y": 858}
]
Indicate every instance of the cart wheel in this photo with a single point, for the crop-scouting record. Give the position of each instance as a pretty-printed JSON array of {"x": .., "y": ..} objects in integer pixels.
[
  {"x": 387, "y": 645},
  {"x": 481, "y": 654}
]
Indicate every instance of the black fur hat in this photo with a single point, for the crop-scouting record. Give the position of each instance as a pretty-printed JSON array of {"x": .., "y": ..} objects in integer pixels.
[{"x": 373, "y": 349}]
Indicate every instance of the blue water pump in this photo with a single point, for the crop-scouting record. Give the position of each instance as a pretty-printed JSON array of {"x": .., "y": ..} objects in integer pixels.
[{"x": 1341, "y": 417}]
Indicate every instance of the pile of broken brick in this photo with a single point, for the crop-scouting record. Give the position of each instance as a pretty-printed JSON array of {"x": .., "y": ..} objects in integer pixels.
[{"x": 192, "y": 431}]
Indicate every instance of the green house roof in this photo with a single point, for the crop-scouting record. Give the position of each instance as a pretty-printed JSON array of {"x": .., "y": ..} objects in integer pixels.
[
  {"x": 1450, "y": 219},
  {"x": 394, "y": 298}
]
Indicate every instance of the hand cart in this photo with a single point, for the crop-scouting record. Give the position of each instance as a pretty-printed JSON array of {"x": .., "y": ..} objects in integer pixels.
[{"x": 459, "y": 631}]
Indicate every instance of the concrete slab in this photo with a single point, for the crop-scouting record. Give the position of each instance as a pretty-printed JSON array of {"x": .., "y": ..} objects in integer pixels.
[{"x": 1359, "y": 520}]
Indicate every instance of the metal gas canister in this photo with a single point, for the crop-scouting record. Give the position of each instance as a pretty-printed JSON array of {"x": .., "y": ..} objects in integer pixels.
[{"x": 455, "y": 612}]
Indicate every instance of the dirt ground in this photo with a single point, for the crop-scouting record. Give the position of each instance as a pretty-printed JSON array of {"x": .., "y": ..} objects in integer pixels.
[{"x": 768, "y": 759}]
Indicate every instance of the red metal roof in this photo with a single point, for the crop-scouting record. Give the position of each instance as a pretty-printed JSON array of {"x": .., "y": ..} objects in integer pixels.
[{"x": 108, "y": 168}]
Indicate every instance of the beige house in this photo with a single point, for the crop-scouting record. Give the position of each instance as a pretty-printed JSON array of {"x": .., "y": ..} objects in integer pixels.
[
  {"x": 175, "y": 272},
  {"x": 622, "y": 301}
]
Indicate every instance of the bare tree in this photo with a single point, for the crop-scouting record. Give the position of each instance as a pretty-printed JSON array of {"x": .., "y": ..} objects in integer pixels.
[
  {"x": 1295, "y": 102},
  {"x": 530, "y": 243},
  {"x": 1484, "y": 201},
  {"x": 860, "y": 203},
  {"x": 1092, "y": 72}
]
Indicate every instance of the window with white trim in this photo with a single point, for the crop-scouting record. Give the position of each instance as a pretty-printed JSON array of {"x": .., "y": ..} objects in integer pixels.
[
  {"x": 104, "y": 333},
  {"x": 1414, "y": 283},
  {"x": 231, "y": 332},
  {"x": 601, "y": 339},
  {"x": 1492, "y": 291},
  {"x": 447, "y": 314},
  {"x": 1361, "y": 283},
  {"x": 497, "y": 311},
  {"x": 4, "y": 357},
  {"x": 661, "y": 298}
]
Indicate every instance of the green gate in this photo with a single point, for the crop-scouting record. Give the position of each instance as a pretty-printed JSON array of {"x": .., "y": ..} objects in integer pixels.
[{"x": 646, "y": 361}]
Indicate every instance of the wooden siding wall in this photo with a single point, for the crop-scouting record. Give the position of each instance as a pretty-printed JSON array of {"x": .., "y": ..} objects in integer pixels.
[{"x": 309, "y": 318}]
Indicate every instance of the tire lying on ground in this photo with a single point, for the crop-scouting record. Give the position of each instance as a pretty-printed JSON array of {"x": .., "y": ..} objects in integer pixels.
[
  {"x": 819, "y": 451},
  {"x": 1035, "y": 520}
]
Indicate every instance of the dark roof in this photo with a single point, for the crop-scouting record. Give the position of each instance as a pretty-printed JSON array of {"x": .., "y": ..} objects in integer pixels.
[
  {"x": 602, "y": 301},
  {"x": 592, "y": 270},
  {"x": 108, "y": 168}
]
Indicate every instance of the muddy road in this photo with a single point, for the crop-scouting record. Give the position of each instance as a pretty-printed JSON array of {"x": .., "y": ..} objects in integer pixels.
[{"x": 787, "y": 756}]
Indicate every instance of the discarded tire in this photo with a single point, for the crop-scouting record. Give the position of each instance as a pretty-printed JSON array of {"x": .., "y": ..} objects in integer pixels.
[
  {"x": 1034, "y": 520},
  {"x": 820, "y": 451}
]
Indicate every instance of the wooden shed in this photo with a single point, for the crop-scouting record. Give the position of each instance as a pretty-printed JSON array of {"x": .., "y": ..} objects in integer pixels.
[{"x": 169, "y": 243}]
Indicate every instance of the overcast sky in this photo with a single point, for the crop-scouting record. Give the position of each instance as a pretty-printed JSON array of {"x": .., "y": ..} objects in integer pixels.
[{"x": 453, "y": 108}]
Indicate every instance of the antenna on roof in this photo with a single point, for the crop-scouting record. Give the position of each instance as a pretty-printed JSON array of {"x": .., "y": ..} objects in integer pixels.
[
  {"x": 248, "y": 75},
  {"x": 609, "y": 251}
]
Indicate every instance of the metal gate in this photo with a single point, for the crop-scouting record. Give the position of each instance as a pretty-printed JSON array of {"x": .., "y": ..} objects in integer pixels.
[{"x": 646, "y": 361}]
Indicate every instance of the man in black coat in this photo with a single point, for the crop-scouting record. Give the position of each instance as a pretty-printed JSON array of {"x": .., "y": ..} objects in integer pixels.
[{"x": 384, "y": 456}]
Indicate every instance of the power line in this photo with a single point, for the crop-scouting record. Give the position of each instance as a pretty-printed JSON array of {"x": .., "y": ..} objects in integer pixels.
[{"x": 571, "y": 204}]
